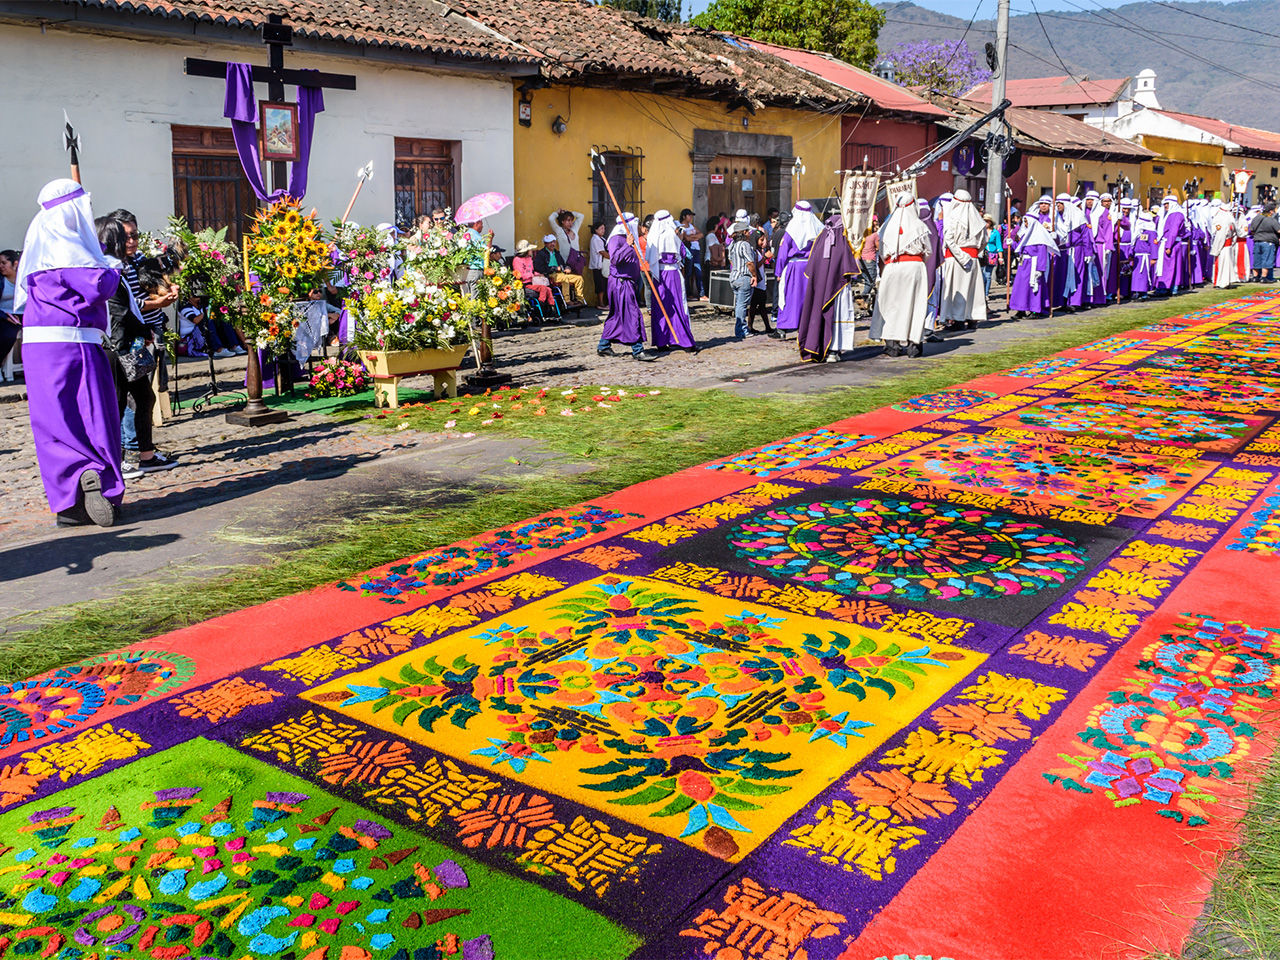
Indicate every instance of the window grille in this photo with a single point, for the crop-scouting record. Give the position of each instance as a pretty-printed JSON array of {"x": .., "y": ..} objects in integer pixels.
[
  {"x": 425, "y": 177},
  {"x": 209, "y": 186},
  {"x": 624, "y": 168}
]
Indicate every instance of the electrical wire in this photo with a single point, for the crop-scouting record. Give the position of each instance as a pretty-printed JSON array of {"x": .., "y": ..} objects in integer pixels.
[
  {"x": 1088, "y": 96},
  {"x": 1228, "y": 23},
  {"x": 1139, "y": 30},
  {"x": 960, "y": 42}
]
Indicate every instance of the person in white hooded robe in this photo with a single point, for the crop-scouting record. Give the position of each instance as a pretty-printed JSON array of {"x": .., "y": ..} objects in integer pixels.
[
  {"x": 903, "y": 295},
  {"x": 1222, "y": 245},
  {"x": 963, "y": 237}
]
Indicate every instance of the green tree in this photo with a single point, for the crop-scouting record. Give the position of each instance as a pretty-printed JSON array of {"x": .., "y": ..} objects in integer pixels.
[
  {"x": 843, "y": 28},
  {"x": 669, "y": 10}
]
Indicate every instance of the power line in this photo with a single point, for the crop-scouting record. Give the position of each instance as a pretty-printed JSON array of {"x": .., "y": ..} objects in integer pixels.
[
  {"x": 1228, "y": 23},
  {"x": 960, "y": 42},
  {"x": 1088, "y": 96},
  {"x": 1141, "y": 31}
]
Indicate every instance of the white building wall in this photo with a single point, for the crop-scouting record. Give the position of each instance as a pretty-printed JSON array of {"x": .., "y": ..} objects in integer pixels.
[{"x": 123, "y": 95}]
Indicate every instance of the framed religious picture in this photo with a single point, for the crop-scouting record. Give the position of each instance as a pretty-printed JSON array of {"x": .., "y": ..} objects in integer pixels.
[{"x": 279, "y": 125}]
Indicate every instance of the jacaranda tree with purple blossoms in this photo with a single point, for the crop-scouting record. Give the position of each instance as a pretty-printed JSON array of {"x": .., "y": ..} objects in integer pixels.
[{"x": 948, "y": 67}]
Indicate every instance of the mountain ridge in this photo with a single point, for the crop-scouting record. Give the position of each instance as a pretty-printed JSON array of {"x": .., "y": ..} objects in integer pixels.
[{"x": 1193, "y": 53}]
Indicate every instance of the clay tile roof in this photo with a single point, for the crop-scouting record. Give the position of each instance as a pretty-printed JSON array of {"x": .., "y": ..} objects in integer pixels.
[
  {"x": 883, "y": 93},
  {"x": 594, "y": 44},
  {"x": 417, "y": 25},
  {"x": 1043, "y": 132},
  {"x": 1251, "y": 139},
  {"x": 1055, "y": 91}
]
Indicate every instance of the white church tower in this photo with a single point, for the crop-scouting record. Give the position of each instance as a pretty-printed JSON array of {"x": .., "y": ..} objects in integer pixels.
[{"x": 1144, "y": 89}]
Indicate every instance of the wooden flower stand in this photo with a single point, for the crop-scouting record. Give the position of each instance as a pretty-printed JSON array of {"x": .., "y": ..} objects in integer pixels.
[{"x": 388, "y": 368}]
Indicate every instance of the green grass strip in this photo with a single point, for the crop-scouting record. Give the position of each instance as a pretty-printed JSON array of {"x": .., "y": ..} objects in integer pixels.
[{"x": 644, "y": 440}]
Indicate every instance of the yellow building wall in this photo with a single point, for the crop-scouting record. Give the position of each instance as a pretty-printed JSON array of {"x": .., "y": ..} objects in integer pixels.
[
  {"x": 554, "y": 170},
  {"x": 1104, "y": 175},
  {"x": 1180, "y": 161}
]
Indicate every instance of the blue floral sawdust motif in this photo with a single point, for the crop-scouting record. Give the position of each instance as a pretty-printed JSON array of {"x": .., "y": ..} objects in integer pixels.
[
  {"x": 1184, "y": 719},
  {"x": 776, "y": 457},
  {"x": 1261, "y": 534},
  {"x": 914, "y": 550},
  {"x": 1048, "y": 367},
  {"x": 944, "y": 402},
  {"x": 494, "y": 551}
]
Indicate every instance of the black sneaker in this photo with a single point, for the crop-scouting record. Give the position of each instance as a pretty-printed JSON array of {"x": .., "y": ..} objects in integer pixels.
[
  {"x": 75, "y": 517},
  {"x": 645, "y": 356},
  {"x": 96, "y": 507},
  {"x": 606, "y": 352},
  {"x": 934, "y": 338},
  {"x": 157, "y": 463}
]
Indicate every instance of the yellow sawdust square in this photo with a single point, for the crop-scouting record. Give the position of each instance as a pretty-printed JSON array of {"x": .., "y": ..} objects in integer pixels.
[{"x": 688, "y": 714}]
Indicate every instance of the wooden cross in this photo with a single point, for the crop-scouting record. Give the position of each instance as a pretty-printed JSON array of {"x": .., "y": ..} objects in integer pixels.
[{"x": 276, "y": 35}]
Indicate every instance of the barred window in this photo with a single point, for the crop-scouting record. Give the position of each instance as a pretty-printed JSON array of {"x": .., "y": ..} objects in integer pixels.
[
  {"x": 624, "y": 169},
  {"x": 426, "y": 177},
  {"x": 209, "y": 186}
]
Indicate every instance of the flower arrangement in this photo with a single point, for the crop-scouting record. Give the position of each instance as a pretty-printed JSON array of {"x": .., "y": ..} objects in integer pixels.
[
  {"x": 409, "y": 314},
  {"x": 437, "y": 250},
  {"x": 499, "y": 294},
  {"x": 363, "y": 255},
  {"x": 289, "y": 257},
  {"x": 211, "y": 269},
  {"x": 337, "y": 378}
]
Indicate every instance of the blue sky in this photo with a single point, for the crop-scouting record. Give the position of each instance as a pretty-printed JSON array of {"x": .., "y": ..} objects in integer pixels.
[{"x": 964, "y": 8}]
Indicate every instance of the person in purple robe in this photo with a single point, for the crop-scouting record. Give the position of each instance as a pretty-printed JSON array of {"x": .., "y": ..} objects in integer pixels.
[
  {"x": 1146, "y": 241},
  {"x": 64, "y": 283},
  {"x": 625, "y": 323},
  {"x": 831, "y": 268},
  {"x": 663, "y": 250},
  {"x": 1104, "y": 248},
  {"x": 1197, "y": 242},
  {"x": 1032, "y": 289},
  {"x": 1170, "y": 270},
  {"x": 789, "y": 266},
  {"x": 1124, "y": 234},
  {"x": 1083, "y": 258}
]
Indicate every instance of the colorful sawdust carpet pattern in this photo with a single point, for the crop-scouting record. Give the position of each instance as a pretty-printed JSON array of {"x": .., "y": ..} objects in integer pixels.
[{"x": 741, "y": 712}]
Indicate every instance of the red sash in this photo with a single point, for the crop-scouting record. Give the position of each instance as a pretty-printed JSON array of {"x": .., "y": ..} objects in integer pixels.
[{"x": 971, "y": 251}]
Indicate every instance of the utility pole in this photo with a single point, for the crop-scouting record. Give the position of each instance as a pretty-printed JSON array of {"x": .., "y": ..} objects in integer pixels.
[{"x": 1000, "y": 73}]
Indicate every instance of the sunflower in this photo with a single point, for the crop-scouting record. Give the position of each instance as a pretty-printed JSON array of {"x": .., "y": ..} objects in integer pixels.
[
  {"x": 292, "y": 218},
  {"x": 261, "y": 249},
  {"x": 281, "y": 231},
  {"x": 289, "y": 270}
]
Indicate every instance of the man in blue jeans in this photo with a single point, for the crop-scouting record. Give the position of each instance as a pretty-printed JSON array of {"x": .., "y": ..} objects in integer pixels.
[
  {"x": 742, "y": 275},
  {"x": 1265, "y": 230}
]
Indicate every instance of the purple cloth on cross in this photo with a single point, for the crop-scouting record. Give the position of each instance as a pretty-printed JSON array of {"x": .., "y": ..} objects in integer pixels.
[{"x": 240, "y": 107}]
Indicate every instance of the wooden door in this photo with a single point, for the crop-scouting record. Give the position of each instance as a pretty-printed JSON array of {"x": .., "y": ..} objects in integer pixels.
[{"x": 737, "y": 183}]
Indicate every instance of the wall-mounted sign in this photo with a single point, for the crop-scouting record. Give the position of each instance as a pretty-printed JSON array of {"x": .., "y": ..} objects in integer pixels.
[
  {"x": 526, "y": 113},
  {"x": 717, "y": 179},
  {"x": 746, "y": 186},
  {"x": 946, "y": 165}
]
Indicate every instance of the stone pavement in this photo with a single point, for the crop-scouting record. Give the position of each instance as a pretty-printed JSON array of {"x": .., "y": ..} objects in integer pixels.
[{"x": 240, "y": 494}]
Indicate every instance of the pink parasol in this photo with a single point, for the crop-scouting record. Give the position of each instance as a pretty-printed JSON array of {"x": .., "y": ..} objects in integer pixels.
[{"x": 481, "y": 206}]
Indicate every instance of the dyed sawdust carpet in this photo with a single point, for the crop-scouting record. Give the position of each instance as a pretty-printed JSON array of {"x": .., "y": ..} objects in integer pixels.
[{"x": 985, "y": 675}]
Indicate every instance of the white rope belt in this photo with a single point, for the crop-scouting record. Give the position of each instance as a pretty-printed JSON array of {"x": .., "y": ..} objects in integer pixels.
[{"x": 62, "y": 335}]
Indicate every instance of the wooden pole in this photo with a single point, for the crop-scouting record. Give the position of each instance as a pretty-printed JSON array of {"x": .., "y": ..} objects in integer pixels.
[
  {"x": 1008, "y": 257},
  {"x": 255, "y": 411},
  {"x": 644, "y": 263},
  {"x": 346, "y": 213},
  {"x": 1053, "y": 214}
]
